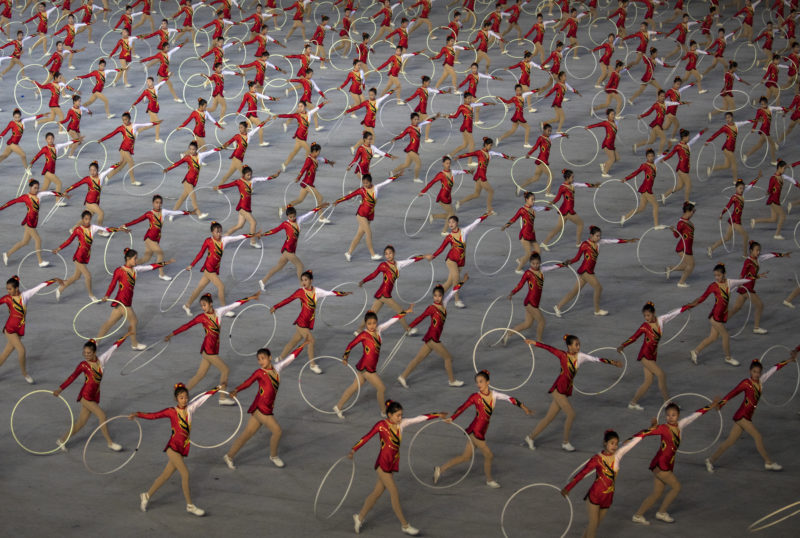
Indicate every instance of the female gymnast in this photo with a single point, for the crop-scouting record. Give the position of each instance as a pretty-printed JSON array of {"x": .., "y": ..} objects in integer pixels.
[
  {"x": 445, "y": 196},
  {"x": 484, "y": 156},
  {"x": 152, "y": 237},
  {"x": 567, "y": 209},
  {"x": 534, "y": 278},
  {"x": 365, "y": 213},
  {"x": 685, "y": 247},
  {"x": 389, "y": 269},
  {"x": 291, "y": 226},
  {"x": 609, "y": 144},
  {"x": 750, "y": 270},
  {"x": 31, "y": 199}
]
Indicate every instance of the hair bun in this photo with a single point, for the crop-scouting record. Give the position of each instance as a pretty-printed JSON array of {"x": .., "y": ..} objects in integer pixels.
[
  {"x": 485, "y": 371},
  {"x": 565, "y": 337},
  {"x": 180, "y": 386},
  {"x": 15, "y": 277},
  {"x": 92, "y": 341},
  {"x": 755, "y": 362},
  {"x": 387, "y": 403}
]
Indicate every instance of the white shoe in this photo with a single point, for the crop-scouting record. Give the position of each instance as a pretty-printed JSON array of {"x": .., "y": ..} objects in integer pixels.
[
  {"x": 283, "y": 167},
  {"x": 411, "y": 531},
  {"x": 324, "y": 220},
  {"x": 136, "y": 183},
  {"x": 375, "y": 257},
  {"x": 192, "y": 509},
  {"x": 693, "y": 356},
  {"x": 227, "y": 401},
  {"x": 129, "y": 85},
  {"x": 229, "y": 462},
  {"x": 255, "y": 245},
  {"x": 779, "y": 237},
  {"x": 663, "y": 516},
  {"x": 263, "y": 144},
  {"x": 5, "y": 258},
  {"x": 171, "y": 218},
  {"x": 399, "y": 102},
  {"x": 557, "y": 311},
  {"x": 601, "y": 313},
  {"x": 315, "y": 368},
  {"x": 402, "y": 381},
  {"x": 458, "y": 205},
  {"x": 412, "y": 331},
  {"x": 529, "y": 442},
  {"x": 568, "y": 447},
  {"x": 479, "y": 122},
  {"x": 357, "y": 523},
  {"x": 284, "y": 125},
  {"x": 230, "y": 314},
  {"x": 701, "y": 92},
  {"x": 518, "y": 271},
  {"x": 277, "y": 462},
  {"x": 338, "y": 412},
  {"x": 60, "y": 203},
  {"x": 262, "y": 286},
  {"x": 472, "y": 164},
  {"x": 744, "y": 159},
  {"x": 622, "y": 220},
  {"x": 752, "y": 223},
  {"x": 460, "y": 304},
  {"x": 280, "y": 212},
  {"x": 144, "y": 498},
  {"x": 710, "y": 252},
  {"x": 437, "y": 473},
  {"x": 319, "y": 128},
  {"x": 683, "y": 285},
  {"x": 709, "y": 116},
  {"x": 444, "y": 233},
  {"x": 604, "y": 175},
  {"x": 201, "y": 216},
  {"x": 186, "y": 309},
  {"x": 116, "y": 447},
  {"x": 635, "y": 407},
  {"x": 159, "y": 140},
  {"x": 708, "y": 171},
  {"x": 417, "y": 180},
  {"x": 731, "y": 361},
  {"x": 493, "y": 484},
  {"x": 165, "y": 277},
  {"x": 58, "y": 295},
  {"x": 788, "y": 304},
  {"x": 759, "y": 330},
  {"x": 178, "y": 100},
  {"x": 789, "y": 208},
  {"x": 668, "y": 271},
  {"x": 709, "y": 466},
  {"x": 640, "y": 520},
  {"x": 772, "y": 466},
  {"x": 456, "y": 383},
  {"x": 429, "y": 141},
  {"x": 347, "y": 256},
  {"x": 138, "y": 347},
  {"x": 28, "y": 379},
  {"x": 526, "y": 146}
]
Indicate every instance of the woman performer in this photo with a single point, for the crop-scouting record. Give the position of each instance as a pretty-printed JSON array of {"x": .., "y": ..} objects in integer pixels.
[
  {"x": 605, "y": 66},
  {"x": 467, "y": 109},
  {"x": 648, "y": 168},
  {"x": 525, "y": 65},
  {"x": 308, "y": 295},
  {"x": 589, "y": 250},
  {"x": 244, "y": 208},
  {"x": 683, "y": 150},
  {"x": 659, "y": 109},
  {"x": 444, "y": 198},
  {"x": 215, "y": 246},
  {"x": 543, "y": 144},
  {"x": 649, "y": 77},
  {"x": 764, "y": 117},
  {"x": 89, "y": 396},
  {"x": 99, "y": 75},
  {"x": 268, "y": 378},
  {"x": 306, "y": 178},
  {"x": 484, "y": 401},
  {"x": 685, "y": 247},
  {"x": 483, "y": 155},
  {"x": 84, "y": 233},
  {"x": 50, "y": 153},
  {"x": 199, "y": 117},
  {"x": 457, "y": 255},
  {"x": 651, "y": 330},
  {"x": 567, "y": 209},
  {"x": 362, "y": 156},
  {"x": 527, "y": 233},
  {"x": 31, "y": 220},
  {"x": 518, "y": 100},
  {"x": 14, "y": 329},
  {"x": 128, "y": 131},
  {"x": 390, "y": 270},
  {"x": 774, "y": 191},
  {"x": 412, "y": 149},
  {"x": 152, "y": 238},
  {"x": 193, "y": 162},
  {"x": 609, "y": 144},
  {"x": 17, "y": 128},
  {"x": 390, "y": 431},
  {"x": 365, "y": 213},
  {"x": 729, "y": 105},
  {"x": 731, "y": 131},
  {"x": 356, "y": 79},
  {"x": 125, "y": 47},
  {"x": 94, "y": 184},
  {"x": 561, "y": 390},
  {"x": 289, "y": 248},
  {"x": 559, "y": 88},
  {"x": 534, "y": 277},
  {"x": 303, "y": 117},
  {"x": 449, "y": 53},
  {"x": 734, "y": 209},
  {"x": 721, "y": 289},
  {"x": 743, "y": 418},
  {"x": 240, "y": 141},
  {"x": 177, "y": 448}
]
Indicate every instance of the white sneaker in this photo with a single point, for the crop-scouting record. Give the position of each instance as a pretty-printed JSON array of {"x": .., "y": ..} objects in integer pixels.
[
  {"x": 144, "y": 498},
  {"x": 263, "y": 144},
  {"x": 411, "y": 531},
  {"x": 315, "y": 368},
  {"x": 229, "y": 462},
  {"x": 708, "y": 171},
  {"x": 640, "y": 520},
  {"x": 693, "y": 356},
  {"x": 324, "y": 220},
  {"x": 709, "y": 252},
  {"x": 460, "y": 304},
  {"x": 255, "y": 245},
  {"x": 557, "y": 311},
  {"x": 518, "y": 271},
  {"x": 774, "y": 466},
  {"x": 731, "y": 361},
  {"x": 319, "y": 128},
  {"x": 479, "y": 122},
  {"x": 429, "y": 140},
  {"x": 456, "y": 383},
  {"x": 779, "y": 237},
  {"x": 417, "y": 180},
  {"x": 437, "y": 473},
  {"x": 178, "y": 100},
  {"x": 280, "y": 212},
  {"x": 752, "y": 223},
  {"x": 493, "y": 484},
  {"x": 402, "y": 381},
  {"x": 683, "y": 285},
  {"x": 186, "y": 309},
  {"x": 28, "y": 379},
  {"x": 201, "y": 216},
  {"x": 568, "y": 447},
  {"x": 277, "y": 461},
  {"x": 165, "y": 277},
  {"x": 159, "y": 140},
  {"x": 375, "y": 257},
  {"x": 338, "y": 412},
  {"x": 635, "y": 407},
  {"x": 5, "y": 259},
  {"x": 413, "y": 331},
  {"x": 788, "y": 304},
  {"x": 136, "y": 183},
  {"x": 701, "y": 92},
  {"x": 357, "y": 523},
  {"x": 788, "y": 208},
  {"x": 58, "y": 294},
  {"x": 347, "y": 256},
  {"x": 227, "y": 401},
  {"x": 709, "y": 466},
  {"x": 110, "y": 116},
  {"x": 663, "y": 516},
  {"x": 138, "y": 347},
  {"x": 116, "y": 447},
  {"x": 601, "y": 313},
  {"x": 529, "y": 442},
  {"x": 192, "y": 509},
  {"x": 230, "y": 314},
  {"x": 262, "y": 285},
  {"x": 759, "y": 330}
]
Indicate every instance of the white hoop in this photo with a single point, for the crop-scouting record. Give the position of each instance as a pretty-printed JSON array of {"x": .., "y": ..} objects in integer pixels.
[
  {"x": 588, "y": 53},
  {"x": 260, "y": 259},
  {"x": 706, "y": 398},
  {"x": 735, "y": 93},
  {"x": 417, "y": 231},
  {"x": 733, "y": 231},
  {"x": 757, "y": 525},
  {"x": 29, "y": 254},
  {"x": 169, "y": 286},
  {"x": 324, "y": 478},
  {"x": 319, "y": 222},
  {"x": 584, "y": 151},
  {"x": 271, "y": 336},
  {"x": 424, "y": 294},
  {"x": 685, "y": 324},
  {"x": 357, "y": 316},
  {"x": 749, "y": 308},
  {"x": 493, "y": 126},
  {"x": 597, "y": 190},
  {"x": 141, "y": 192},
  {"x": 220, "y": 193},
  {"x": 796, "y": 386},
  {"x": 537, "y": 162},
  {"x": 238, "y": 426},
  {"x": 411, "y": 458},
  {"x": 101, "y": 162},
  {"x": 750, "y": 163},
  {"x": 538, "y": 484},
  {"x": 707, "y": 170},
  {"x": 13, "y": 433},
  {"x": 312, "y": 406},
  {"x": 489, "y": 309},
  {"x": 577, "y": 295},
  {"x": 110, "y": 333},
  {"x": 124, "y": 463},
  {"x": 477, "y": 245},
  {"x": 639, "y": 245},
  {"x": 148, "y": 349},
  {"x": 512, "y": 331},
  {"x": 612, "y": 385},
  {"x": 604, "y": 92},
  {"x": 393, "y": 352},
  {"x": 105, "y": 250}
]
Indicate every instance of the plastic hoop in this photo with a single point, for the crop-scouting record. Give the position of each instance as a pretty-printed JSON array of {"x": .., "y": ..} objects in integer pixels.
[
  {"x": 577, "y": 295},
  {"x": 722, "y": 234},
  {"x": 14, "y": 410},
  {"x": 757, "y": 525},
  {"x": 238, "y": 426},
  {"x": 467, "y": 62},
  {"x": 233, "y": 323},
  {"x": 796, "y": 386},
  {"x": 89, "y": 143},
  {"x": 595, "y": 23},
  {"x": 706, "y": 171},
  {"x": 520, "y": 490},
  {"x": 29, "y": 254},
  {"x": 707, "y": 399},
  {"x": 123, "y": 370},
  {"x": 218, "y": 219},
  {"x": 582, "y": 151},
  {"x": 424, "y": 294},
  {"x": 747, "y": 319},
  {"x": 360, "y": 313},
  {"x": 639, "y": 245},
  {"x": 477, "y": 245},
  {"x": 169, "y": 286},
  {"x": 18, "y": 96},
  {"x": 674, "y": 336},
  {"x": 715, "y": 101},
  {"x": 321, "y": 114},
  {"x": 177, "y": 132},
  {"x": 520, "y": 45},
  {"x": 257, "y": 266},
  {"x": 750, "y": 163},
  {"x": 537, "y": 162},
  {"x": 105, "y": 250},
  {"x": 112, "y": 332},
  {"x": 312, "y": 406},
  {"x": 745, "y": 64},
  {"x": 489, "y": 309},
  {"x": 140, "y": 192},
  {"x": 393, "y": 352},
  {"x": 493, "y": 126},
  {"x": 512, "y": 331},
  {"x": 561, "y": 219},
  {"x": 597, "y": 190},
  {"x": 429, "y": 69},
  {"x": 126, "y": 462},
  {"x": 411, "y": 458},
  {"x": 587, "y": 53},
  {"x": 603, "y": 92},
  {"x": 324, "y": 478},
  {"x": 612, "y": 385},
  {"x": 418, "y": 230},
  {"x": 796, "y": 235}
]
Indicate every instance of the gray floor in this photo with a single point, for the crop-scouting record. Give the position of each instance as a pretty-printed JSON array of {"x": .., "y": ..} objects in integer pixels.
[{"x": 55, "y": 494}]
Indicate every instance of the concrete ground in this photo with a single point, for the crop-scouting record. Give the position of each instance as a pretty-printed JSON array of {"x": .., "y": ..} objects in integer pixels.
[{"x": 56, "y": 495}]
